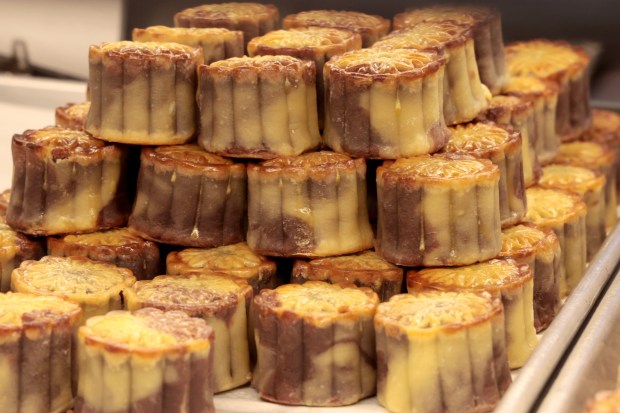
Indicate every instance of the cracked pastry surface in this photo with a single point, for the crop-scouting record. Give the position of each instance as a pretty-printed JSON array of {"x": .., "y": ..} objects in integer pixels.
[
  {"x": 253, "y": 19},
  {"x": 216, "y": 43},
  {"x": 487, "y": 29},
  {"x": 364, "y": 269},
  {"x": 385, "y": 104},
  {"x": 187, "y": 196},
  {"x": 464, "y": 96},
  {"x": 97, "y": 287},
  {"x": 315, "y": 344},
  {"x": 133, "y": 87},
  {"x": 441, "y": 351},
  {"x": 503, "y": 278},
  {"x": 312, "y": 205},
  {"x": 258, "y": 107},
  {"x": 370, "y": 27},
  {"x": 565, "y": 64},
  {"x": 66, "y": 181},
  {"x": 502, "y": 146},
  {"x": 438, "y": 210},
  {"x": 117, "y": 246},
  {"x": 36, "y": 352},
  {"x": 222, "y": 301},
  {"x": 236, "y": 259},
  {"x": 145, "y": 360},
  {"x": 539, "y": 248}
]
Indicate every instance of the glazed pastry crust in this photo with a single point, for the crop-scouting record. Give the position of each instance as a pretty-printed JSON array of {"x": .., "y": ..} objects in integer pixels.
[
  {"x": 370, "y": 27},
  {"x": 72, "y": 115},
  {"x": 14, "y": 249}
]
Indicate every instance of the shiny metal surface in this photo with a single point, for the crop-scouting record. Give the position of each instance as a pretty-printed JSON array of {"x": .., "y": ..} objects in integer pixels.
[{"x": 555, "y": 350}]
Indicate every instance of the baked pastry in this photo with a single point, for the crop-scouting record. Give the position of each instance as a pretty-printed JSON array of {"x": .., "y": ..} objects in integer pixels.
[
  {"x": 441, "y": 352},
  {"x": 143, "y": 93},
  {"x": 464, "y": 96},
  {"x": 539, "y": 248},
  {"x": 36, "y": 352},
  {"x": 315, "y": 344},
  {"x": 385, "y": 104},
  {"x": 253, "y": 19},
  {"x": 72, "y": 115},
  {"x": 222, "y": 301},
  {"x": 604, "y": 401},
  {"x": 312, "y": 205},
  {"x": 14, "y": 249},
  {"x": 145, "y": 361},
  {"x": 96, "y": 286},
  {"x": 544, "y": 96},
  {"x": 565, "y": 213},
  {"x": 598, "y": 157},
  {"x": 565, "y": 64},
  {"x": 189, "y": 197},
  {"x": 5, "y": 196},
  {"x": 369, "y": 26},
  {"x": 519, "y": 114},
  {"x": 237, "y": 260},
  {"x": 115, "y": 246},
  {"x": 499, "y": 277},
  {"x": 216, "y": 43},
  {"x": 66, "y": 181},
  {"x": 317, "y": 44},
  {"x": 486, "y": 24},
  {"x": 258, "y": 107},
  {"x": 364, "y": 269},
  {"x": 502, "y": 146},
  {"x": 590, "y": 186},
  {"x": 438, "y": 210},
  {"x": 605, "y": 129}
]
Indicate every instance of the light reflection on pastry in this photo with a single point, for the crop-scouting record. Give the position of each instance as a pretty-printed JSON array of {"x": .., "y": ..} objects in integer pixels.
[{"x": 72, "y": 115}]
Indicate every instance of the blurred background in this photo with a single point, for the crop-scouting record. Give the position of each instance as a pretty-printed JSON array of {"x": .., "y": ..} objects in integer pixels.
[{"x": 51, "y": 38}]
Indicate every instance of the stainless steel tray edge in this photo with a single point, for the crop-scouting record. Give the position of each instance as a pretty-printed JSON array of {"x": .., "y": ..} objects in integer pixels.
[
  {"x": 532, "y": 381},
  {"x": 592, "y": 364}
]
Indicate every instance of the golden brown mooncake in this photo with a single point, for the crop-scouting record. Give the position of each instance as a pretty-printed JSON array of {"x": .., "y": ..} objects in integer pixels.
[
  {"x": 222, "y": 301},
  {"x": 605, "y": 129},
  {"x": 590, "y": 186},
  {"x": 36, "y": 352},
  {"x": 544, "y": 97},
  {"x": 143, "y": 93},
  {"x": 370, "y": 27},
  {"x": 96, "y": 286},
  {"x": 66, "y": 181},
  {"x": 315, "y": 344},
  {"x": 503, "y": 278},
  {"x": 364, "y": 269},
  {"x": 117, "y": 246},
  {"x": 385, "y": 104},
  {"x": 14, "y": 249},
  {"x": 604, "y": 401},
  {"x": 216, "y": 43},
  {"x": 539, "y": 248},
  {"x": 565, "y": 64},
  {"x": 147, "y": 360},
  {"x": 237, "y": 260},
  {"x": 486, "y": 24},
  {"x": 441, "y": 352},
  {"x": 5, "y": 197},
  {"x": 316, "y": 44},
  {"x": 438, "y": 210},
  {"x": 72, "y": 115},
  {"x": 258, "y": 107},
  {"x": 253, "y": 19},
  {"x": 598, "y": 157},
  {"x": 502, "y": 146},
  {"x": 565, "y": 213},
  {"x": 519, "y": 114},
  {"x": 464, "y": 96},
  {"x": 189, "y": 197},
  {"x": 312, "y": 205}
]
